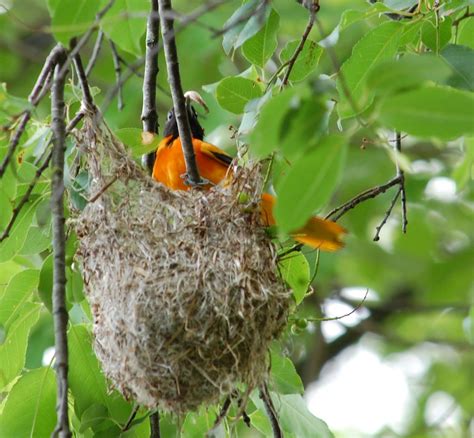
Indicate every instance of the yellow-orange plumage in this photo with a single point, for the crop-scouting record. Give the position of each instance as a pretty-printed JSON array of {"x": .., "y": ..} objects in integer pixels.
[{"x": 213, "y": 165}]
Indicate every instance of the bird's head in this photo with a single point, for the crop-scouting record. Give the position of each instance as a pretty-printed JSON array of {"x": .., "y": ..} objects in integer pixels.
[{"x": 197, "y": 131}]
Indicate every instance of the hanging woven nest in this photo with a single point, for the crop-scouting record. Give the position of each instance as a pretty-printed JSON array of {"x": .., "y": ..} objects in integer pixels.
[{"x": 183, "y": 286}]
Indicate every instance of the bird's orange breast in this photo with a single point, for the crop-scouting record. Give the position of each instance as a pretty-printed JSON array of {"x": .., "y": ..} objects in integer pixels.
[{"x": 170, "y": 166}]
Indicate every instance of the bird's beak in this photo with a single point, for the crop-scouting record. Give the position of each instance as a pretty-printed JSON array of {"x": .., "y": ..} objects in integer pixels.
[{"x": 194, "y": 96}]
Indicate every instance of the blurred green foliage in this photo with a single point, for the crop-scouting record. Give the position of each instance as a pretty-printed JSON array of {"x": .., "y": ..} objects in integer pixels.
[{"x": 330, "y": 136}]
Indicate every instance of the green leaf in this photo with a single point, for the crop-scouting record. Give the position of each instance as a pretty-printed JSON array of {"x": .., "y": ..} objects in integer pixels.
[
  {"x": 244, "y": 23},
  {"x": 307, "y": 60},
  {"x": 409, "y": 71},
  {"x": 125, "y": 24},
  {"x": 284, "y": 375},
  {"x": 13, "y": 349},
  {"x": 70, "y": 18},
  {"x": 464, "y": 172},
  {"x": 197, "y": 424},
  {"x": 461, "y": 60},
  {"x": 87, "y": 383},
  {"x": 11, "y": 105},
  {"x": 259, "y": 49},
  {"x": 78, "y": 189},
  {"x": 17, "y": 315},
  {"x": 235, "y": 92},
  {"x": 16, "y": 239},
  {"x": 466, "y": 33},
  {"x": 434, "y": 36},
  {"x": 265, "y": 136},
  {"x": 294, "y": 416},
  {"x": 351, "y": 16},
  {"x": 303, "y": 125},
  {"x": 36, "y": 241},
  {"x": 379, "y": 44},
  {"x": 296, "y": 419},
  {"x": 430, "y": 112},
  {"x": 45, "y": 286},
  {"x": 6, "y": 211},
  {"x": 310, "y": 182},
  {"x": 138, "y": 141},
  {"x": 30, "y": 408},
  {"x": 17, "y": 293},
  {"x": 469, "y": 329},
  {"x": 294, "y": 270},
  {"x": 94, "y": 417}
]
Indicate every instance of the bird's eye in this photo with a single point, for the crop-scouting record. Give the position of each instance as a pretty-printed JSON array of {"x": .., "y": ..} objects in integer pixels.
[{"x": 170, "y": 115}]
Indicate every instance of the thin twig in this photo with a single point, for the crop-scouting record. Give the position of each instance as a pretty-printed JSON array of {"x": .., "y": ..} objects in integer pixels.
[
  {"x": 132, "y": 416},
  {"x": 118, "y": 73},
  {"x": 337, "y": 318},
  {"x": 401, "y": 175},
  {"x": 87, "y": 99},
  {"x": 95, "y": 52},
  {"x": 149, "y": 115},
  {"x": 60, "y": 314},
  {"x": 222, "y": 414},
  {"x": 313, "y": 9},
  {"x": 338, "y": 212},
  {"x": 271, "y": 412},
  {"x": 387, "y": 215},
  {"x": 171, "y": 55},
  {"x": 25, "y": 198},
  {"x": 155, "y": 425}
]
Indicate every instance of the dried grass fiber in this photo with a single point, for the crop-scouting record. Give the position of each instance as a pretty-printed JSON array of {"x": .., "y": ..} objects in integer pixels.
[{"x": 183, "y": 286}]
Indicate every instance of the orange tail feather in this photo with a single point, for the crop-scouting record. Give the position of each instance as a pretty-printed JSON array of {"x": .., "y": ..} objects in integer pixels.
[{"x": 317, "y": 233}]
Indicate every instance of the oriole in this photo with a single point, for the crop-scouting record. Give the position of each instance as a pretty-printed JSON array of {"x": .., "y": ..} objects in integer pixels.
[{"x": 213, "y": 165}]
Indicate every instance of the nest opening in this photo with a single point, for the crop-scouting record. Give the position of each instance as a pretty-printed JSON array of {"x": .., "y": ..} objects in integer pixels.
[{"x": 183, "y": 286}]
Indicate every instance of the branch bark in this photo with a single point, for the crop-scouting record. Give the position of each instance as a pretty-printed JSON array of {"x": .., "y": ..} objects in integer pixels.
[
  {"x": 59, "y": 245},
  {"x": 118, "y": 73},
  {"x": 155, "y": 425},
  {"x": 179, "y": 103},
  {"x": 271, "y": 412},
  {"x": 340, "y": 211},
  {"x": 313, "y": 9},
  {"x": 149, "y": 115},
  {"x": 95, "y": 52}
]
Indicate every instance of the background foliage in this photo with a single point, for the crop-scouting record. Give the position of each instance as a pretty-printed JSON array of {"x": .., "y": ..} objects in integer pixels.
[{"x": 408, "y": 73}]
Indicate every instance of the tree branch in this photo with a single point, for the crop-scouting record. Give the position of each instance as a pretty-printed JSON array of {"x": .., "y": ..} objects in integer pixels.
[
  {"x": 171, "y": 55},
  {"x": 313, "y": 9},
  {"x": 59, "y": 246},
  {"x": 387, "y": 215},
  {"x": 87, "y": 99},
  {"x": 271, "y": 412},
  {"x": 118, "y": 73},
  {"x": 95, "y": 52},
  {"x": 149, "y": 115},
  {"x": 155, "y": 425},
  {"x": 401, "y": 175},
  {"x": 340, "y": 211}
]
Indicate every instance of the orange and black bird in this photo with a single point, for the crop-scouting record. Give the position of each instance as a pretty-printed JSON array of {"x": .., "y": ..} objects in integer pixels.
[{"x": 214, "y": 166}]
